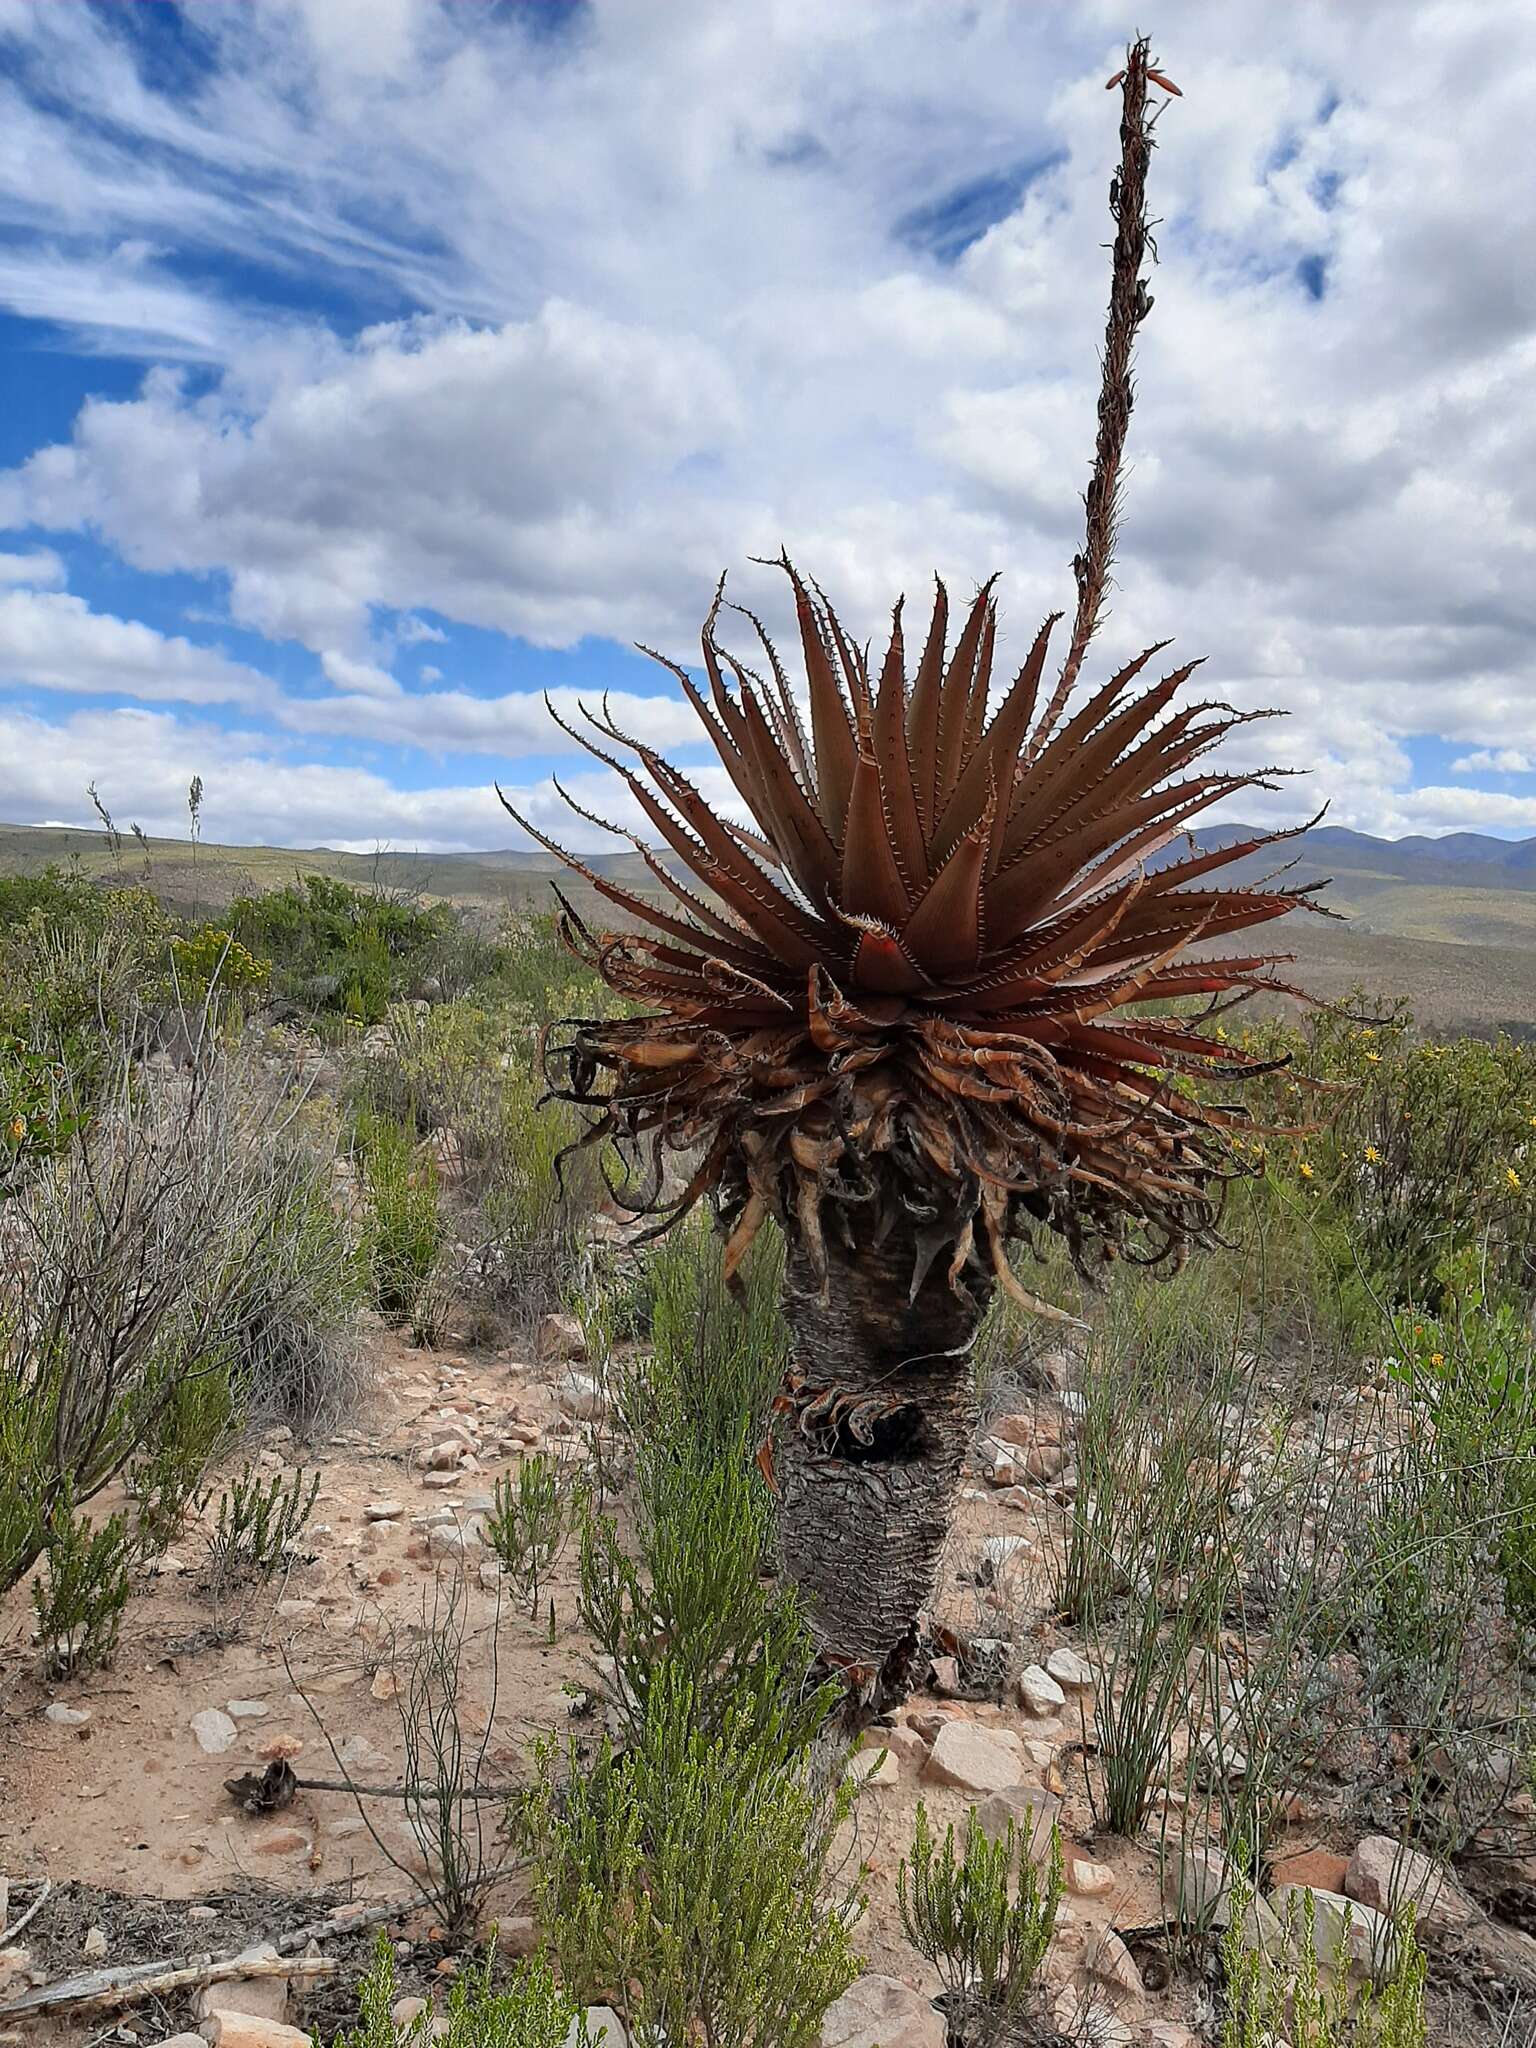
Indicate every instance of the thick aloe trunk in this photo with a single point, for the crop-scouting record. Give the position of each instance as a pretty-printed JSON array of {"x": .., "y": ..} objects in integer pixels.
[{"x": 880, "y": 1409}]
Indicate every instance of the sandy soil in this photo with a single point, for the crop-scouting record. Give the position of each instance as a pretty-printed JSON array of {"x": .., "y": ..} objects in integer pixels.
[{"x": 127, "y": 1813}]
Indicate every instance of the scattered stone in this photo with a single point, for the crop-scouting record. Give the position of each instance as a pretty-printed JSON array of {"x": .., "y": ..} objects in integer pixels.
[
  {"x": 202, "y": 1912},
  {"x": 1320, "y": 1870},
  {"x": 1068, "y": 1669},
  {"x": 1387, "y": 1876},
  {"x": 1372, "y": 1938},
  {"x": 182, "y": 2041},
  {"x": 882, "y": 2012},
  {"x": 1014, "y": 1429},
  {"x": 1112, "y": 1963},
  {"x": 1033, "y": 1811},
  {"x": 1002, "y": 1464},
  {"x": 518, "y": 1936},
  {"x": 385, "y": 1684},
  {"x": 945, "y": 1677},
  {"x": 215, "y": 1732},
  {"x": 999, "y": 1555},
  {"x": 1039, "y": 1694},
  {"x": 383, "y": 1511},
  {"x": 66, "y": 1717},
  {"x": 875, "y": 1766},
  {"x": 282, "y": 1842},
  {"x": 1198, "y": 1893},
  {"x": 580, "y": 1396},
  {"x": 439, "y": 1481},
  {"x": 247, "y": 1710},
  {"x": 603, "y": 2026},
  {"x": 404, "y": 2010},
  {"x": 452, "y": 1542},
  {"x": 443, "y": 1457},
  {"x": 974, "y": 1758},
  {"x": 1168, "y": 2034},
  {"x": 225, "y": 2028},
  {"x": 95, "y": 1945},
  {"x": 1045, "y": 1462},
  {"x": 561, "y": 1340},
  {"x": 1089, "y": 1880},
  {"x": 904, "y": 1742}
]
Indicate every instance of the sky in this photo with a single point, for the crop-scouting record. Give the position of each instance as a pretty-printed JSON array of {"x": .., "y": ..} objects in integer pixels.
[{"x": 372, "y": 367}]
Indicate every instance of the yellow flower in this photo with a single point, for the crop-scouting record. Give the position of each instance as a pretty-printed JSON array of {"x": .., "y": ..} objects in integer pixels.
[
  {"x": 1368, "y": 1032},
  {"x": 1374, "y": 1058},
  {"x": 1533, "y": 1123},
  {"x": 1372, "y": 1156},
  {"x": 18, "y": 1129},
  {"x": 1437, "y": 1358},
  {"x": 1306, "y": 1171},
  {"x": 1511, "y": 1176}
]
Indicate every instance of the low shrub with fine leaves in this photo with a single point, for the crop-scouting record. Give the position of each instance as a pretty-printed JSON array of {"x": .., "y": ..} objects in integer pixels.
[
  {"x": 684, "y": 1881},
  {"x": 983, "y": 1918},
  {"x": 1291, "y": 1997},
  {"x": 529, "y": 2011}
]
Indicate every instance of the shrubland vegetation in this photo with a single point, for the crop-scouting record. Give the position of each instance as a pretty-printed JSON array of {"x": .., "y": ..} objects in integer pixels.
[{"x": 1301, "y": 1518}]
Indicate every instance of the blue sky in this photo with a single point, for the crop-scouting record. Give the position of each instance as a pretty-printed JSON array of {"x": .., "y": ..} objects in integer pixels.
[{"x": 374, "y": 366}]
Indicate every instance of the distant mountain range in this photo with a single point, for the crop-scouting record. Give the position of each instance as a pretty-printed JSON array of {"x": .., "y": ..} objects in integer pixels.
[{"x": 1449, "y": 923}]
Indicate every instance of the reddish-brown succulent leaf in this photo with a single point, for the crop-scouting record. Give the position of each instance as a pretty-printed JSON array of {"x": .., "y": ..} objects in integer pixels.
[
  {"x": 961, "y": 677},
  {"x": 893, "y": 757},
  {"x": 871, "y": 884},
  {"x": 944, "y": 932},
  {"x": 832, "y": 733},
  {"x": 923, "y": 714},
  {"x": 750, "y": 954},
  {"x": 882, "y": 963},
  {"x": 995, "y": 759}
]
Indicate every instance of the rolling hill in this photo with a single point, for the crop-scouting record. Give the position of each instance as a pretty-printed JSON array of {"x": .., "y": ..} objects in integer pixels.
[{"x": 1449, "y": 923}]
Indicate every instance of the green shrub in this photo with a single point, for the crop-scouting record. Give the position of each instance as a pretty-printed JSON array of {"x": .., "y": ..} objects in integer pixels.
[
  {"x": 404, "y": 1232},
  {"x": 1422, "y": 1149},
  {"x": 81, "y": 1591},
  {"x": 1478, "y": 1371},
  {"x": 122, "y": 1260},
  {"x": 36, "y": 1116},
  {"x": 194, "y": 1422},
  {"x": 211, "y": 958},
  {"x": 1290, "y": 1997},
  {"x": 530, "y": 1523},
  {"x": 464, "y": 1076},
  {"x": 258, "y": 1523},
  {"x": 353, "y": 951},
  {"x": 293, "y": 1311},
  {"x": 692, "y": 1603},
  {"x": 530, "y": 2011},
  {"x": 983, "y": 1919},
  {"x": 684, "y": 1881},
  {"x": 715, "y": 1360}
]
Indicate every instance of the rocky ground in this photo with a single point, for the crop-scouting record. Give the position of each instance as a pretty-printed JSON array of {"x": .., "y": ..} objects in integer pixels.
[{"x": 113, "y": 1788}]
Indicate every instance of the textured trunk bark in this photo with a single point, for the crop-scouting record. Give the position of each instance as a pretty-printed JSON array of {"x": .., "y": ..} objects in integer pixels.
[{"x": 879, "y": 1409}]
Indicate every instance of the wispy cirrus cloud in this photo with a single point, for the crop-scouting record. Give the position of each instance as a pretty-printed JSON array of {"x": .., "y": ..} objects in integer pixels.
[{"x": 478, "y": 333}]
